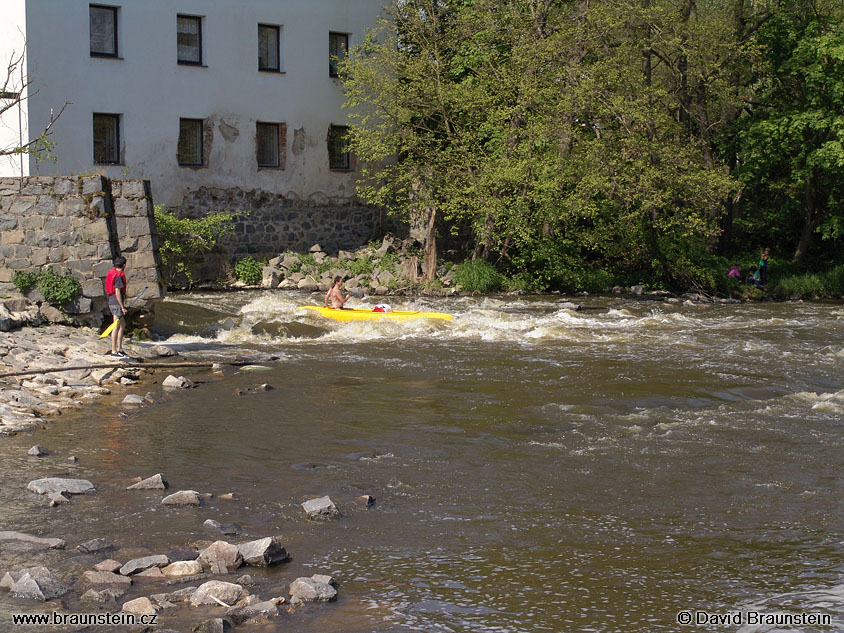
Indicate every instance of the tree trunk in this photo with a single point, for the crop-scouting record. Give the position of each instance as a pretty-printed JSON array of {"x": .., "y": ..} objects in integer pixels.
[
  {"x": 429, "y": 266},
  {"x": 812, "y": 220}
]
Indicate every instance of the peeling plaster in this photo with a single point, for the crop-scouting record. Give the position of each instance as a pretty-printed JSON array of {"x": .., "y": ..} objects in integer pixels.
[{"x": 229, "y": 131}]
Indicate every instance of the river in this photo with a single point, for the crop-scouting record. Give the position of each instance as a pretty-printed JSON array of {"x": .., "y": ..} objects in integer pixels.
[{"x": 535, "y": 468}]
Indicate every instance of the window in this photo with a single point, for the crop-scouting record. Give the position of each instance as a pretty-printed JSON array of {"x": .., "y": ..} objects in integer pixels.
[
  {"x": 339, "y": 156},
  {"x": 189, "y": 39},
  {"x": 107, "y": 138},
  {"x": 103, "y": 26},
  {"x": 190, "y": 150},
  {"x": 269, "y": 57},
  {"x": 271, "y": 144},
  {"x": 338, "y": 44}
]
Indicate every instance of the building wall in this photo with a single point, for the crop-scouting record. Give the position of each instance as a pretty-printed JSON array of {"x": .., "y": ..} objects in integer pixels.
[
  {"x": 151, "y": 91},
  {"x": 77, "y": 225}
]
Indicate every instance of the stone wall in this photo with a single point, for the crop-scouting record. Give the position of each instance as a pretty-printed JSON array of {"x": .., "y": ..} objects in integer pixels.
[
  {"x": 78, "y": 224},
  {"x": 276, "y": 223}
]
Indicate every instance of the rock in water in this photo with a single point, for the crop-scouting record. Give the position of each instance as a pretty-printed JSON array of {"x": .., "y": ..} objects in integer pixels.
[
  {"x": 321, "y": 508},
  {"x": 182, "y": 498},
  {"x": 28, "y": 542},
  {"x": 310, "y": 590},
  {"x": 140, "y": 564},
  {"x": 156, "y": 482},
  {"x": 227, "y": 592},
  {"x": 56, "y": 484},
  {"x": 229, "y": 529},
  {"x": 37, "y": 583},
  {"x": 263, "y": 552}
]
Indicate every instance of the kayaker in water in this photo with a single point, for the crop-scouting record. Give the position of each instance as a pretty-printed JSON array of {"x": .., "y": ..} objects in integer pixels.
[{"x": 334, "y": 294}]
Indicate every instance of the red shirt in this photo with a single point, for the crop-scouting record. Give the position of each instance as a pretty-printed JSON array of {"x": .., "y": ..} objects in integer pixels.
[{"x": 113, "y": 274}]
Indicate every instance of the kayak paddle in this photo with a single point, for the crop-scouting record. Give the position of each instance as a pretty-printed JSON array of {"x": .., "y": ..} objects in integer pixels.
[{"x": 114, "y": 323}]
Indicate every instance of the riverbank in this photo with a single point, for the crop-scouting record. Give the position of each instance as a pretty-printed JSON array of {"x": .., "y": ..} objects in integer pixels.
[
  {"x": 394, "y": 267},
  {"x": 51, "y": 368}
]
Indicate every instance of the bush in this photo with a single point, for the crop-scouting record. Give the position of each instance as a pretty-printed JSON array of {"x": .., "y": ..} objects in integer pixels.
[
  {"x": 183, "y": 240},
  {"x": 360, "y": 266},
  {"x": 829, "y": 283},
  {"x": 478, "y": 276},
  {"x": 58, "y": 289},
  {"x": 24, "y": 279},
  {"x": 249, "y": 270}
]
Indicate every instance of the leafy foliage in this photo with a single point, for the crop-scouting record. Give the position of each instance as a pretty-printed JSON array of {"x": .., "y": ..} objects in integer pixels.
[
  {"x": 58, "y": 289},
  {"x": 478, "y": 276},
  {"x": 360, "y": 266},
  {"x": 183, "y": 240},
  {"x": 574, "y": 142},
  {"x": 249, "y": 270},
  {"x": 24, "y": 279}
]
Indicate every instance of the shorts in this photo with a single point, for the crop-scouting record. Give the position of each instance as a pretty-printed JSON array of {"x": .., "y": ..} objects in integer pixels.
[{"x": 114, "y": 306}]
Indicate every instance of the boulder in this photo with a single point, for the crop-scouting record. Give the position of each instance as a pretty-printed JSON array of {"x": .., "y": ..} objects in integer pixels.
[
  {"x": 214, "y": 625},
  {"x": 58, "y": 498},
  {"x": 99, "y": 376},
  {"x": 229, "y": 529},
  {"x": 226, "y": 592},
  {"x": 182, "y": 498},
  {"x": 172, "y": 382},
  {"x": 269, "y": 277},
  {"x": 156, "y": 482},
  {"x": 321, "y": 508},
  {"x": 139, "y": 606},
  {"x": 253, "y": 612},
  {"x": 108, "y": 596},
  {"x": 288, "y": 262},
  {"x": 133, "y": 400},
  {"x": 56, "y": 484},
  {"x": 263, "y": 552},
  {"x": 637, "y": 290},
  {"x": 367, "y": 501},
  {"x": 140, "y": 564},
  {"x": 153, "y": 573},
  {"x": 310, "y": 590},
  {"x": 182, "y": 568},
  {"x": 325, "y": 578},
  {"x": 288, "y": 284},
  {"x": 37, "y": 583},
  {"x": 220, "y": 557},
  {"x": 27, "y": 542},
  {"x": 109, "y": 564},
  {"x": 308, "y": 284},
  {"x": 37, "y": 451},
  {"x": 106, "y": 578},
  {"x": 94, "y": 545}
]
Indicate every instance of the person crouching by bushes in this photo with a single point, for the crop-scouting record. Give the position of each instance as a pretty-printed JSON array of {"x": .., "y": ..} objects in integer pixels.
[{"x": 734, "y": 272}]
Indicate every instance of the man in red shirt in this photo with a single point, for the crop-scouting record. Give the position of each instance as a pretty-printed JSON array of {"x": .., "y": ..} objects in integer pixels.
[{"x": 115, "y": 287}]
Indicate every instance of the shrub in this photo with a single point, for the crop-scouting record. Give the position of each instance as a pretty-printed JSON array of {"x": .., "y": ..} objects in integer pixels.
[
  {"x": 24, "y": 279},
  {"x": 58, "y": 289},
  {"x": 478, "y": 276},
  {"x": 183, "y": 240},
  {"x": 306, "y": 262},
  {"x": 360, "y": 266},
  {"x": 249, "y": 270}
]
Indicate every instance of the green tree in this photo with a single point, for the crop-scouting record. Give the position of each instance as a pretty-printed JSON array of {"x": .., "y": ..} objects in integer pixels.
[
  {"x": 183, "y": 240},
  {"x": 792, "y": 140},
  {"x": 535, "y": 126}
]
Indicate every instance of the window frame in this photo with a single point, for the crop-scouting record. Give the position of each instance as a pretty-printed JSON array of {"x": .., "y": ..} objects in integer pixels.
[
  {"x": 277, "y": 29},
  {"x": 198, "y": 20},
  {"x": 115, "y": 147},
  {"x": 335, "y": 131},
  {"x": 332, "y": 62},
  {"x": 200, "y": 137},
  {"x": 279, "y": 134},
  {"x": 115, "y": 40}
]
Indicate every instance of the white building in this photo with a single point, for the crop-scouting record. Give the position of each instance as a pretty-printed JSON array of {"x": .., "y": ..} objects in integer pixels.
[{"x": 220, "y": 94}]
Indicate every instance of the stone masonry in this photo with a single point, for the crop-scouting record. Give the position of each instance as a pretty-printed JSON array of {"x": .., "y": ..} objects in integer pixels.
[
  {"x": 275, "y": 223},
  {"x": 76, "y": 225}
]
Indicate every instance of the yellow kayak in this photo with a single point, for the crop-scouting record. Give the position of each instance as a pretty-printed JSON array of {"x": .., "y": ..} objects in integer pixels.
[{"x": 357, "y": 314}]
